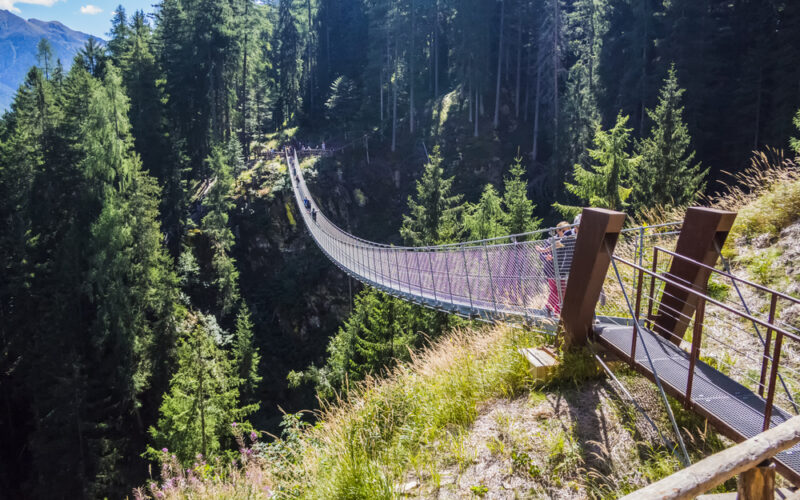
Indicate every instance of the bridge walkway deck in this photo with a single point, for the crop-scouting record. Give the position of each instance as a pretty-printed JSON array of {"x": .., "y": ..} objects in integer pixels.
[{"x": 736, "y": 410}]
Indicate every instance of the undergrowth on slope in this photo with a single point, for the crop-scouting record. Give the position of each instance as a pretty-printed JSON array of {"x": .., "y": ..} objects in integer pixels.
[
  {"x": 363, "y": 446},
  {"x": 766, "y": 195}
]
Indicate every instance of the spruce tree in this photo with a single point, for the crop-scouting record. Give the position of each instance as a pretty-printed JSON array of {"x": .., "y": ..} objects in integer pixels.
[
  {"x": 603, "y": 184},
  {"x": 202, "y": 404},
  {"x": 517, "y": 205},
  {"x": 486, "y": 219},
  {"x": 246, "y": 355},
  {"x": 794, "y": 142},
  {"x": 667, "y": 175},
  {"x": 119, "y": 36},
  {"x": 218, "y": 202},
  {"x": 285, "y": 46},
  {"x": 434, "y": 212}
]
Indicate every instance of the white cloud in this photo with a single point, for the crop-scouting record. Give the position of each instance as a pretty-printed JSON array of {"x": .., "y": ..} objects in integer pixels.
[
  {"x": 9, "y": 4},
  {"x": 90, "y": 9}
]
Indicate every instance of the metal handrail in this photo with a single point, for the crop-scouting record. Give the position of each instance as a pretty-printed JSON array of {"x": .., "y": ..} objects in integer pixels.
[
  {"x": 703, "y": 299},
  {"x": 706, "y": 297},
  {"x": 730, "y": 276}
]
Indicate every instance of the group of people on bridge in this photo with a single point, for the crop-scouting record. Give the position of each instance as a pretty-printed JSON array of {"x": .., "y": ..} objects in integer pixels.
[{"x": 556, "y": 256}]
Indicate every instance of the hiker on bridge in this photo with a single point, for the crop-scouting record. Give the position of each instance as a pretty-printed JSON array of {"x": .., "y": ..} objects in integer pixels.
[
  {"x": 306, "y": 203},
  {"x": 551, "y": 254},
  {"x": 314, "y": 214}
]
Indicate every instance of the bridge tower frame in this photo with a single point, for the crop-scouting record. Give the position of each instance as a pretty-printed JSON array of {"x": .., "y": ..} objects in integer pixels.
[{"x": 597, "y": 236}]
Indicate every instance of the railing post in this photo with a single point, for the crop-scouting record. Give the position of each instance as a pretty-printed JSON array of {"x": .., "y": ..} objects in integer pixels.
[
  {"x": 596, "y": 241},
  {"x": 466, "y": 277},
  {"x": 773, "y": 375},
  {"x": 704, "y": 230},
  {"x": 556, "y": 272},
  {"x": 433, "y": 277},
  {"x": 491, "y": 281},
  {"x": 636, "y": 318},
  {"x": 767, "y": 341},
  {"x": 447, "y": 270},
  {"x": 652, "y": 296},
  {"x": 419, "y": 272},
  {"x": 697, "y": 335}
]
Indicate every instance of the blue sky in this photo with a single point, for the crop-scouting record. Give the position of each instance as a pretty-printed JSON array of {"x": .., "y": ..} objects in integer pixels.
[{"x": 88, "y": 16}]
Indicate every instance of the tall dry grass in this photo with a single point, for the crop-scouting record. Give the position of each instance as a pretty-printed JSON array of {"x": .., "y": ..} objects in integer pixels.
[{"x": 363, "y": 446}]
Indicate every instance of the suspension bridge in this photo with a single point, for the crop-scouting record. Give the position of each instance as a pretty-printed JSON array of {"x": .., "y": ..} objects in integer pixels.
[{"x": 734, "y": 364}]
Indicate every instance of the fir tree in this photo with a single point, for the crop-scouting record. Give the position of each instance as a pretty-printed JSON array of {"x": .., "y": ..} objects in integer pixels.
[
  {"x": 246, "y": 355},
  {"x": 666, "y": 175},
  {"x": 119, "y": 36},
  {"x": 517, "y": 205},
  {"x": 380, "y": 332},
  {"x": 602, "y": 185},
  {"x": 215, "y": 227},
  {"x": 486, "y": 219},
  {"x": 433, "y": 217},
  {"x": 202, "y": 404},
  {"x": 794, "y": 142},
  {"x": 287, "y": 78}
]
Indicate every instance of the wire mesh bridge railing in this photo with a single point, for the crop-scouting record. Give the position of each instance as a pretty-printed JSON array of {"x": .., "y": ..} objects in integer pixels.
[{"x": 520, "y": 275}]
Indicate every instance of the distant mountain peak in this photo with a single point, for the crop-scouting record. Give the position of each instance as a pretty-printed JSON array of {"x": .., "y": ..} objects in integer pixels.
[{"x": 18, "y": 46}]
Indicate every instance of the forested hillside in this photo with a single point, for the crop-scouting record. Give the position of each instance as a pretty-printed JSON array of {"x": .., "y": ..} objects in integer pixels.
[{"x": 157, "y": 284}]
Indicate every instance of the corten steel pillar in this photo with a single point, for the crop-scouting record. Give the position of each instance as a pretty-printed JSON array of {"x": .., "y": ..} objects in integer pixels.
[
  {"x": 597, "y": 237},
  {"x": 704, "y": 231}
]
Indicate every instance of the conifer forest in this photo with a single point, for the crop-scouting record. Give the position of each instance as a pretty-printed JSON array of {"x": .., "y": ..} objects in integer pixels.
[{"x": 157, "y": 286}]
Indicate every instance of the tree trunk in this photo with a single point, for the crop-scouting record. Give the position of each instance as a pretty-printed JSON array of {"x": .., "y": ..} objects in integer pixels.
[
  {"x": 496, "y": 120},
  {"x": 758, "y": 108},
  {"x": 469, "y": 99},
  {"x": 394, "y": 101},
  {"x": 411, "y": 75},
  {"x": 519, "y": 67},
  {"x": 310, "y": 79},
  {"x": 477, "y": 99},
  {"x": 555, "y": 79},
  {"x": 245, "y": 138},
  {"x": 436, "y": 52},
  {"x": 535, "y": 150}
]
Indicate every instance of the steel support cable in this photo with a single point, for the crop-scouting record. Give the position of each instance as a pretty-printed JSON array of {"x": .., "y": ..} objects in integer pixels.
[
  {"x": 637, "y": 331},
  {"x": 629, "y": 396}
]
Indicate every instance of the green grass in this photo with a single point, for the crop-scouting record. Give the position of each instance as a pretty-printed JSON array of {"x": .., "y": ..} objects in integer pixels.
[{"x": 365, "y": 445}]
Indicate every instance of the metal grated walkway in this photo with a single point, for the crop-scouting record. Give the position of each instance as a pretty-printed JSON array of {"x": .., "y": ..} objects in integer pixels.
[{"x": 734, "y": 408}]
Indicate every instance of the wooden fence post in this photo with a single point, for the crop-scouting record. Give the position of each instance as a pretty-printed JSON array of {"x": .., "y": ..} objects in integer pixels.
[
  {"x": 597, "y": 237},
  {"x": 704, "y": 231}
]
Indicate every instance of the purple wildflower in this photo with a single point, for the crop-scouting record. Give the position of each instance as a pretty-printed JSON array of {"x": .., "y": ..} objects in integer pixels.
[
  {"x": 253, "y": 436},
  {"x": 233, "y": 425},
  {"x": 164, "y": 450}
]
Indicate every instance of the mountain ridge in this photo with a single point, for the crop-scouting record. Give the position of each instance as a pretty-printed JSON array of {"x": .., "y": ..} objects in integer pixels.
[{"x": 18, "y": 46}]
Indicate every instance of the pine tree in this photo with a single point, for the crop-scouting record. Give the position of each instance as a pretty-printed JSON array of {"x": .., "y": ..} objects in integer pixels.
[
  {"x": 434, "y": 212},
  {"x": 603, "y": 184},
  {"x": 517, "y": 205},
  {"x": 666, "y": 175},
  {"x": 486, "y": 219}
]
